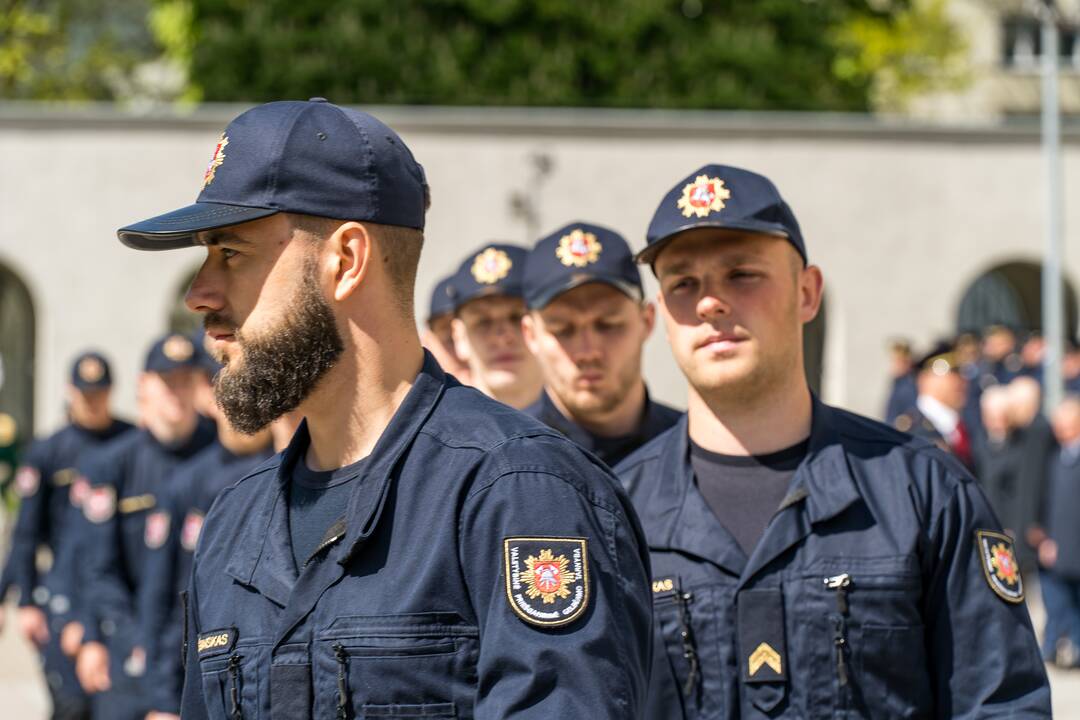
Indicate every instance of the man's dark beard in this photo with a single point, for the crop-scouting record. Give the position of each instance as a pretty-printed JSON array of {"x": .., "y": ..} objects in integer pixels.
[{"x": 282, "y": 366}]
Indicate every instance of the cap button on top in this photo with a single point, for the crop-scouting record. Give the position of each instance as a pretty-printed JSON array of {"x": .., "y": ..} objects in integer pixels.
[{"x": 318, "y": 99}]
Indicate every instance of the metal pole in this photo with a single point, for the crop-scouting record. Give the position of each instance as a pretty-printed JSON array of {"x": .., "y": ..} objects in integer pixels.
[{"x": 1052, "y": 302}]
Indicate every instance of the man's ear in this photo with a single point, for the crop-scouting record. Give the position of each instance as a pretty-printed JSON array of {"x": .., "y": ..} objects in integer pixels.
[
  {"x": 352, "y": 252},
  {"x": 461, "y": 340},
  {"x": 648, "y": 314},
  {"x": 811, "y": 289}
]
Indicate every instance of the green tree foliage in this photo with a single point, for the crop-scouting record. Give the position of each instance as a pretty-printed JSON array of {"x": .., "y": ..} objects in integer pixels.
[
  {"x": 747, "y": 54},
  {"x": 71, "y": 49}
]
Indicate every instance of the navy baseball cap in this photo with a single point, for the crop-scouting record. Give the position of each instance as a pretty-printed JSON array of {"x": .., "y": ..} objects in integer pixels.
[
  {"x": 720, "y": 196},
  {"x": 91, "y": 371},
  {"x": 172, "y": 352},
  {"x": 442, "y": 299},
  {"x": 495, "y": 269},
  {"x": 312, "y": 158},
  {"x": 577, "y": 254}
]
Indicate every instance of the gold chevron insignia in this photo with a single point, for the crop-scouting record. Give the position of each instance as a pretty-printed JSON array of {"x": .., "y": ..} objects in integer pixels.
[{"x": 765, "y": 655}]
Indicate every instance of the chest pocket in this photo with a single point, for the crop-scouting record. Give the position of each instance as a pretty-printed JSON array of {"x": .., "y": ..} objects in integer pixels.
[
  {"x": 231, "y": 682},
  {"x": 692, "y": 685},
  {"x": 863, "y": 641},
  {"x": 395, "y": 666}
]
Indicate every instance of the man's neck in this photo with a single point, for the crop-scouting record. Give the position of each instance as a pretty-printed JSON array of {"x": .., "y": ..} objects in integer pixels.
[
  {"x": 517, "y": 396},
  {"x": 765, "y": 424},
  {"x": 621, "y": 420},
  {"x": 352, "y": 405}
]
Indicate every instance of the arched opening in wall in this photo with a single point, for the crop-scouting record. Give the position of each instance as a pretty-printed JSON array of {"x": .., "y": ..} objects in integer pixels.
[
  {"x": 1010, "y": 294},
  {"x": 814, "y": 349},
  {"x": 17, "y": 350},
  {"x": 182, "y": 320}
]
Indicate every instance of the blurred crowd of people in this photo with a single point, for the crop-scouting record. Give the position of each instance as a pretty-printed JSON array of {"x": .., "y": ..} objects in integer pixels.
[{"x": 980, "y": 397}]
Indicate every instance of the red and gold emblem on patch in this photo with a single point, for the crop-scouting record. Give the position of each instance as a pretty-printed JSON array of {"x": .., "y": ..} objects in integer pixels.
[
  {"x": 178, "y": 349},
  {"x": 491, "y": 266},
  {"x": 215, "y": 162},
  {"x": 703, "y": 196},
  {"x": 157, "y": 529},
  {"x": 999, "y": 565},
  {"x": 547, "y": 579},
  {"x": 100, "y": 504},
  {"x": 27, "y": 480},
  {"x": 189, "y": 534},
  {"x": 578, "y": 249}
]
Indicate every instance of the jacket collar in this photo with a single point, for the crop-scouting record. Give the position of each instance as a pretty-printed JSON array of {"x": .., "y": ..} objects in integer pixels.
[
  {"x": 263, "y": 555},
  {"x": 822, "y": 488}
]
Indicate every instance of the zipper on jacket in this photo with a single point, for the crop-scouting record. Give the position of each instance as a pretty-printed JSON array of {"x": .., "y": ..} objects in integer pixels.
[
  {"x": 342, "y": 688},
  {"x": 236, "y": 713},
  {"x": 686, "y": 634},
  {"x": 840, "y": 583}
]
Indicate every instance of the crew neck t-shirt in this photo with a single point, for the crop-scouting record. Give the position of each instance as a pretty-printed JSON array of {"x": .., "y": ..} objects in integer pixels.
[
  {"x": 745, "y": 491},
  {"x": 317, "y": 499}
]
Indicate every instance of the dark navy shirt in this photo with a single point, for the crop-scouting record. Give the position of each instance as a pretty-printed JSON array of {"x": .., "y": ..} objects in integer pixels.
[
  {"x": 317, "y": 499},
  {"x": 655, "y": 419},
  {"x": 44, "y": 481},
  {"x": 871, "y": 593},
  {"x": 745, "y": 491},
  {"x": 1062, "y": 509},
  {"x": 485, "y": 567},
  {"x": 127, "y": 480}
]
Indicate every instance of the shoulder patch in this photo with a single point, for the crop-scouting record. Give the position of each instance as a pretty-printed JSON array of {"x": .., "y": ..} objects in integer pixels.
[
  {"x": 80, "y": 490},
  {"x": 216, "y": 642},
  {"x": 157, "y": 529},
  {"x": 999, "y": 565},
  {"x": 189, "y": 534},
  {"x": 547, "y": 579},
  {"x": 100, "y": 504},
  {"x": 27, "y": 480}
]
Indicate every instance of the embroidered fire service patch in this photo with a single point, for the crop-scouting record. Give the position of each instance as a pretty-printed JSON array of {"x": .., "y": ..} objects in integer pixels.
[
  {"x": 157, "y": 529},
  {"x": 100, "y": 504},
  {"x": 703, "y": 196},
  {"x": 999, "y": 565},
  {"x": 189, "y": 534},
  {"x": 547, "y": 579},
  {"x": 27, "y": 480},
  {"x": 578, "y": 249},
  {"x": 491, "y": 266}
]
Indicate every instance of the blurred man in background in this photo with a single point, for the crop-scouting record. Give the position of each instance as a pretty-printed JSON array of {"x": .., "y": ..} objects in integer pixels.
[
  {"x": 438, "y": 334},
  {"x": 126, "y": 480},
  {"x": 998, "y": 456},
  {"x": 1035, "y": 446},
  {"x": 488, "y": 307},
  {"x": 942, "y": 396},
  {"x": 45, "y": 483},
  {"x": 172, "y": 531},
  {"x": 1057, "y": 539},
  {"x": 902, "y": 392},
  {"x": 587, "y": 325}
]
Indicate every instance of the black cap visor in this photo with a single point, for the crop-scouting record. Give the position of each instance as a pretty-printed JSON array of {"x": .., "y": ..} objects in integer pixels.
[
  {"x": 648, "y": 255},
  {"x": 543, "y": 298},
  {"x": 177, "y": 229}
]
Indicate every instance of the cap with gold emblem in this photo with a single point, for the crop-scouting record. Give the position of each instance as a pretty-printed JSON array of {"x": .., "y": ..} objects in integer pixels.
[
  {"x": 722, "y": 197},
  {"x": 940, "y": 360},
  {"x": 494, "y": 269},
  {"x": 172, "y": 352},
  {"x": 577, "y": 254},
  {"x": 91, "y": 371}
]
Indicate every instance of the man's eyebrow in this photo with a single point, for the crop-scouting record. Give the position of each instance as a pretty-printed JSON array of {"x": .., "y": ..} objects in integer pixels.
[
  {"x": 217, "y": 237},
  {"x": 675, "y": 268}
]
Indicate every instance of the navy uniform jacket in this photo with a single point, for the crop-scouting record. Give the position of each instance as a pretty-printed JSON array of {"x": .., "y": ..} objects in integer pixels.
[
  {"x": 656, "y": 419},
  {"x": 126, "y": 478},
  {"x": 44, "y": 482},
  {"x": 1060, "y": 511},
  {"x": 868, "y": 595},
  {"x": 470, "y": 518},
  {"x": 172, "y": 532}
]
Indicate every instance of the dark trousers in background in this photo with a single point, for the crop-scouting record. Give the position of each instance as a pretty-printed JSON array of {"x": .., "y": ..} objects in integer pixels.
[{"x": 1061, "y": 598}]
